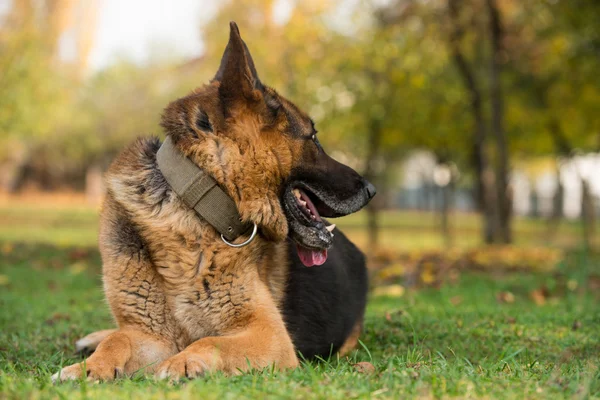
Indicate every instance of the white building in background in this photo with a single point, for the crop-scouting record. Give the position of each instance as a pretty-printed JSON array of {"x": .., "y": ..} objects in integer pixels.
[
  {"x": 545, "y": 186},
  {"x": 531, "y": 195}
]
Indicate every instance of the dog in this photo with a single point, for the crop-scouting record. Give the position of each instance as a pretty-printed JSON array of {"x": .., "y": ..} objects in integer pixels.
[{"x": 188, "y": 298}]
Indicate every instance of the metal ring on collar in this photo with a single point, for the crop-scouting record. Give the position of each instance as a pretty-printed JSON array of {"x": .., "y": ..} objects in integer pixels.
[{"x": 254, "y": 230}]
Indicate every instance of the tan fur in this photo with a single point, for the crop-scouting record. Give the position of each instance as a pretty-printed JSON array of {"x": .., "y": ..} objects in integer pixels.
[
  {"x": 352, "y": 341},
  {"x": 162, "y": 306},
  {"x": 184, "y": 302}
]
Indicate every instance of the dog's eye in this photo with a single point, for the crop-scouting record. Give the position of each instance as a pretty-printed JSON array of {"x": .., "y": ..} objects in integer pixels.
[
  {"x": 314, "y": 138},
  {"x": 203, "y": 123}
]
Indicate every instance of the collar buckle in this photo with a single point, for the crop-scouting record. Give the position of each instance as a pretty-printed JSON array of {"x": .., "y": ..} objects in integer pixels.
[{"x": 247, "y": 242}]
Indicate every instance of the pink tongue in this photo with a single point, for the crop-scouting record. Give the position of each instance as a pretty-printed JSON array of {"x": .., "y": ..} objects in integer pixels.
[{"x": 311, "y": 257}]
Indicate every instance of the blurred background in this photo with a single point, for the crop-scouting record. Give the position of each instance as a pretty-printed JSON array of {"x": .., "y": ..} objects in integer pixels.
[{"x": 478, "y": 120}]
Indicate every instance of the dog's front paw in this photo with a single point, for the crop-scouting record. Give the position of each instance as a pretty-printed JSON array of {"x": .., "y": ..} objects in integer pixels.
[
  {"x": 94, "y": 371},
  {"x": 183, "y": 365}
]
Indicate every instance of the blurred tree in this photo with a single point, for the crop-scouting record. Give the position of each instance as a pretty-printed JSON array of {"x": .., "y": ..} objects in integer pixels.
[
  {"x": 32, "y": 96},
  {"x": 484, "y": 188},
  {"x": 554, "y": 49},
  {"x": 39, "y": 90},
  {"x": 497, "y": 59},
  {"x": 467, "y": 27}
]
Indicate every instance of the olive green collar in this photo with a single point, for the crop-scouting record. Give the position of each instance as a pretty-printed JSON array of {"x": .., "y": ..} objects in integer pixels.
[{"x": 200, "y": 192}]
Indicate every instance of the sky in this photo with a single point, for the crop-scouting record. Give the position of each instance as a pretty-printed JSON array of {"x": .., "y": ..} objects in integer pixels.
[
  {"x": 132, "y": 28},
  {"x": 137, "y": 29}
]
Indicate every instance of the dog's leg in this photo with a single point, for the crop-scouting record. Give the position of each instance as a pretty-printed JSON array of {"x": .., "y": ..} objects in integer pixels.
[
  {"x": 263, "y": 343},
  {"x": 87, "y": 344},
  {"x": 122, "y": 352},
  {"x": 352, "y": 340}
]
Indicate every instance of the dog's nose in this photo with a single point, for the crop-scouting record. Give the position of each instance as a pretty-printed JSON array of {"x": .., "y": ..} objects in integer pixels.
[{"x": 370, "y": 189}]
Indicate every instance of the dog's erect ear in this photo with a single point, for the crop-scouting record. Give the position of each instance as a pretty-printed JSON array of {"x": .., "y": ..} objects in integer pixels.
[{"x": 237, "y": 74}]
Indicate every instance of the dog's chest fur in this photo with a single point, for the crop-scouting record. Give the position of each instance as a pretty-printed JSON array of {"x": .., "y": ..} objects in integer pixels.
[{"x": 207, "y": 286}]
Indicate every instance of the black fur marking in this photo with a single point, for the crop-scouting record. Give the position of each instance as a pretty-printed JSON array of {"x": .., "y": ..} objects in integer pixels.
[
  {"x": 203, "y": 123},
  {"x": 323, "y": 304},
  {"x": 273, "y": 105},
  {"x": 156, "y": 185},
  {"x": 135, "y": 294},
  {"x": 127, "y": 240}
]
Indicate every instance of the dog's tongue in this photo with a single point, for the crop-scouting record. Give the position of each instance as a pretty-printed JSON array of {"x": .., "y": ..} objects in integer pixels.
[{"x": 311, "y": 257}]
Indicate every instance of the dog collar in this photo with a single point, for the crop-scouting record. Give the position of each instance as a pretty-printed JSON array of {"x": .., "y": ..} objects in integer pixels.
[{"x": 200, "y": 192}]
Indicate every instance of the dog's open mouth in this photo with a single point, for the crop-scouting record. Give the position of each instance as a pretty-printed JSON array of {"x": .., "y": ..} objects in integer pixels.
[
  {"x": 312, "y": 235},
  {"x": 308, "y": 256}
]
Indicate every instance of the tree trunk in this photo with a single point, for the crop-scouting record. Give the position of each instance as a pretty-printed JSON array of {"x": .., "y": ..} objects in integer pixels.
[
  {"x": 588, "y": 216},
  {"x": 373, "y": 227},
  {"x": 557, "y": 207},
  {"x": 447, "y": 192},
  {"x": 373, "y": 151},
  {"x": 497, "y": 102},
  {"x": 483, "y": 177}
]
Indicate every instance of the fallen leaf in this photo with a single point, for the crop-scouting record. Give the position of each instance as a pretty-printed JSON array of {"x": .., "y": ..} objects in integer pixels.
[
  {"x": 456, "y": 300},
  {"x": 52, "y": 286},
  {"x": 453, "y": 275},
  {"x": 428, "y": 274},
  {"x": 77, "y": 268},
  {"x": 78, "y": 254},
  {"x": 538, "y": 297},
  {"x": 391, "y": 315},
  {"x": 57, "y": 317},
  {"x": 505, "y": 297},
  {"x": 576, "y": 325},
  {"x": 364, "y": 367},
  {"x": 390, "y": 290},
  {"x": 7, "y": 248},
  {"x": 393, "y": 271},
  {"x": 594, "y": 283}
]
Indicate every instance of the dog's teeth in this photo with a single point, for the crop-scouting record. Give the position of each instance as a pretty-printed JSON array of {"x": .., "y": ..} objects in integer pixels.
[
  {"x": 303, "y": 203},
  {"x": 330, "y": 228},
  {"x": 297, "y": 193}
]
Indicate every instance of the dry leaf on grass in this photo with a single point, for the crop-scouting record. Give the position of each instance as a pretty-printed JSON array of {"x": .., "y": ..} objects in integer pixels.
[
  {"x": 57, "y": 317},
  {"x": 364, "y": 367},
  {"x": 505, "y": 297},
  {"x": 538, "y": 296},
  {"x": 390, "y": 291},
  {"x": 394, "y": 314},
  {"x": 456, "y": 300}
]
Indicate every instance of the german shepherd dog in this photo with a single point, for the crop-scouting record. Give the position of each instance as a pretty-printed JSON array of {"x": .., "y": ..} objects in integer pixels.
[{"x": 185, "y": 302}]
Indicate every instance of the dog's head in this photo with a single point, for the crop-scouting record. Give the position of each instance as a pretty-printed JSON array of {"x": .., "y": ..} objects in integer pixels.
[{"x": 265, "y": 153}]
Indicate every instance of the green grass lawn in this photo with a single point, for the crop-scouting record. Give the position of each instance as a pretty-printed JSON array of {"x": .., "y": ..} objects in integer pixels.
[
  {"x": 459, "y": 340},
  {"x": 67, "y": 224}
]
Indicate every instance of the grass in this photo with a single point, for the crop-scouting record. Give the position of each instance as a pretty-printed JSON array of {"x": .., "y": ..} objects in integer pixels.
[
  {"x": 74, "y": 223},
  {"x": 455, "y": 341}
]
